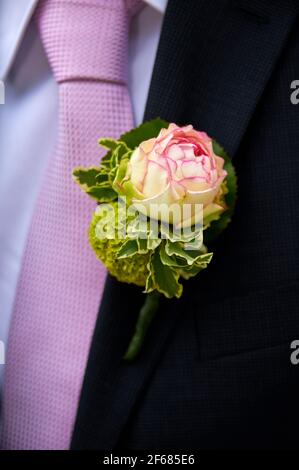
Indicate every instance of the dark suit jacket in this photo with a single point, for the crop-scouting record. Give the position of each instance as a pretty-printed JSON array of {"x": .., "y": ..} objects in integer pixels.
[{"x": 215, "y": 369}]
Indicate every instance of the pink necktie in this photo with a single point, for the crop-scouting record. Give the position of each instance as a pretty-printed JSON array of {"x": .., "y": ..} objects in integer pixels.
[{"x": 61, "y": 281}]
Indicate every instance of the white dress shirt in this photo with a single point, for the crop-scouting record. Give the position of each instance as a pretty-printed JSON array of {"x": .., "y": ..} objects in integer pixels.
[{"x": 28, "y": 124}]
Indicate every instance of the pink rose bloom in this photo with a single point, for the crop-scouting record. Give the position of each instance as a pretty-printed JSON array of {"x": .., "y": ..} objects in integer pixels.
[{"x": 179, "y": 166}]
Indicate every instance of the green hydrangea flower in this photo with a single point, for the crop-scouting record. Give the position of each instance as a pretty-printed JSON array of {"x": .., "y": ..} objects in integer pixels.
[{"x": 131, "y": 270}]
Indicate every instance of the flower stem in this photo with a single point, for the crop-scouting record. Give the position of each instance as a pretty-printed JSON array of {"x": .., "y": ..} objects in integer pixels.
[{"x": 146, "y": 315}]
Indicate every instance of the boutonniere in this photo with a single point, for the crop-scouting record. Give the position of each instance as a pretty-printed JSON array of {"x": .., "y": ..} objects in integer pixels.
[{"x": 164, "y": 192}]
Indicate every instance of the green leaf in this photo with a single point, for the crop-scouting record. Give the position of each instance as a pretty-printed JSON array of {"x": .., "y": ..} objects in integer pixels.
[
  {"x": 111, "y": 145},
  {"x": 120, "y": 175},
  {"x": 204, "y": 259},
  {"x": 164, "y": 279},
  {"x": 214, "y": 215},
  {"x": 149, "y": 286},
  {"x": 117, "y": 150},
  {"x": 190, "y": 256},
  {"x": 131, "y": 192},
  {"x": 192, "y": 271},
  {"x": 102, "y": 194},
  {"x": 146, "y": 131},
  {"x": 95, "y": 182},
  {"x": 108, "y": 143},
  {"x": 153, "y": 243},
  {"x": 169, "y": 232},
  {"x": 217, "y": 226},
  {"x": 86, "y": 177},
  {"x": 200, "y": 264},
  {"x": 106, "y": 161},
  {"x": 129, "y": 248},
  {"x": 171, "y": 261},
  {"x": 174, "y": 257},
  {"x": 114, "y": 160},
  {"x": 102, "y": 177},
  {"x": 195, "y": 244},
  {"x": 121, "y": 152},
  {"x": 112, "y": 175},
  {"x": 137, "y": 226},
  {"x": 142, "y": 245}
]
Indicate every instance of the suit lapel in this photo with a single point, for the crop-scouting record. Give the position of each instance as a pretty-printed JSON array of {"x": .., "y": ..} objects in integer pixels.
[
  {"x": 16, "y": 33},
  {"x": 213, "y": 63}
]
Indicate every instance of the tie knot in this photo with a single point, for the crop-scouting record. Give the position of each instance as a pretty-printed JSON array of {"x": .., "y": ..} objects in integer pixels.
[{"x": 86, "y": 39}]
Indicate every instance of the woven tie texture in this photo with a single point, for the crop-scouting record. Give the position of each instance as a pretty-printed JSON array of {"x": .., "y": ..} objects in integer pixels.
[{"x": 61, "y": 282}]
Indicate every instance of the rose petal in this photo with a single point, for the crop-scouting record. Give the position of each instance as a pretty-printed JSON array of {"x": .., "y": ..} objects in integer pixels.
[
  {"x": 156, "y": 179},
  {"x": 203, "y": 197},
  {"x": 175, "y": 152},
  {"x": 211, "y": 212},
  {"x": 137, "y": 168},
  {"x": 165, "y": 206},
  {"x": 148, "y": 145},
  {"x": 195, "y": 183},
  {"x": 193, "y": 168}
]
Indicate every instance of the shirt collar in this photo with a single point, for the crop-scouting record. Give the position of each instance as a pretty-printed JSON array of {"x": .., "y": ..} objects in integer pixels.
[
  {"x": 159, "y": 5},
  {"x": 14, "y": 19}
]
